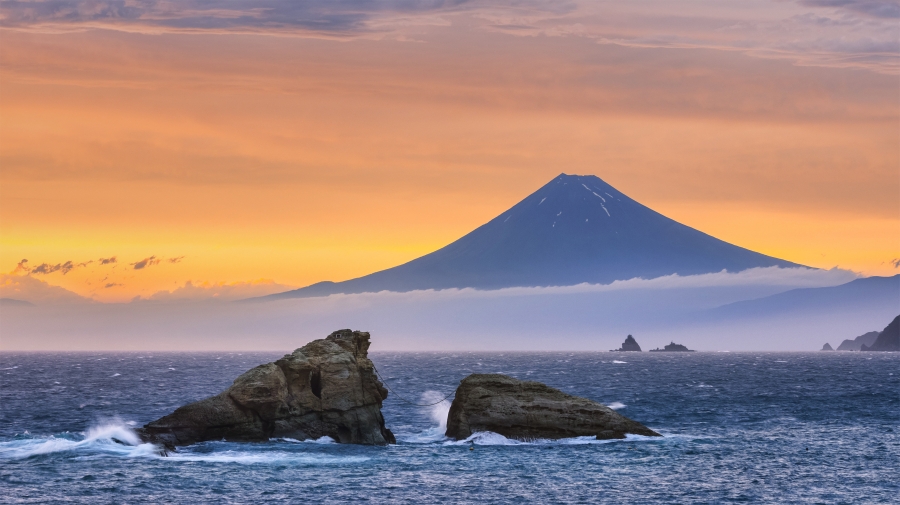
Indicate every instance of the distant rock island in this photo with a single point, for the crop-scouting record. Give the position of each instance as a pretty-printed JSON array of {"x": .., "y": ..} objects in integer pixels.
[
  {"x": 326, "y": 388},
  {"x": 857, "y": 343},
  {"x": 525, "y": 410},
  {"x": 888, "y": 340},
  {"x": 630, "y": 344},
  {"x": 826, "y": 347},
  {"x": 672, "y": 347}
]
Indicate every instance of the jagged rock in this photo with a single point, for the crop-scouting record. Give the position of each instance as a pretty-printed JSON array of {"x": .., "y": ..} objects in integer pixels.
[
  {"x": 530, "y": 410},
  {"x": 630, "y": 344},
  {"x": 326, "y": 388},
  {"x": 857, "y": 343},
  {"x": 672, "y": 347},
  {"x": 888, "y": 339},
  {"x": 827, "y": 347}
]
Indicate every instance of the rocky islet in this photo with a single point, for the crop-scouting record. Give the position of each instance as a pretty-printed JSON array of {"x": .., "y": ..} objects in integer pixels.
[
  {"x": 326, "y": 388},
  {"x": 527, "y": 410}
]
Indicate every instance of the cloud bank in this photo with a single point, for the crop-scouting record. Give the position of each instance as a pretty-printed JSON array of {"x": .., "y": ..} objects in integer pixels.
[
  {"x": 225, "y": 291},
  {"x": 36, "y": 291},
  {"x": 837, "y": 33}
]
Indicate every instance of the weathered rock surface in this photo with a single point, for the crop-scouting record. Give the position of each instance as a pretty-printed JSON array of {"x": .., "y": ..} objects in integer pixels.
[
  {"x": 672, "y": 347},
  {"x": 630, "y": 344},
  {"x": 527, "y": 410},
  {"x": 888, "y": 340},
  {"x": 826, "y": 347},
  {"x": 326, "y": 388}
]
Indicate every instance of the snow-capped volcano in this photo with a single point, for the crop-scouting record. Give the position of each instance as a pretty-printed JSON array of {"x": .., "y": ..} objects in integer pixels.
[{"x": 575, "y": 229}]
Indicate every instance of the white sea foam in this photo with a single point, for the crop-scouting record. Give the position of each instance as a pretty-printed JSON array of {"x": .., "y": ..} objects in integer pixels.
[
  {"x": 112, "y": 437},
  {"x": 490, "y": 438},
  {"x": 265, "y": 458},
  {"x": 620, "y": 362},
  {"x": 616, "y": 405},
  {"x": 320, "y": 440}
]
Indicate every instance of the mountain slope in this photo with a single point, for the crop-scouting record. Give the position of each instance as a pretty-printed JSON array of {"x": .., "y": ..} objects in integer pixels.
[
  {"x": 877, "y": 294},
  {"x": 857, "y": 343},
  {"x": 575, "y": 229},
  {"x": 888, "y": 339}
]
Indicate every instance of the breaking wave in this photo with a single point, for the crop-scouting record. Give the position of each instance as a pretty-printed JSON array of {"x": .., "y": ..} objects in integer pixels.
[
  {"x": 112, "y": 437},
  {"x": 116, "y": 439}
]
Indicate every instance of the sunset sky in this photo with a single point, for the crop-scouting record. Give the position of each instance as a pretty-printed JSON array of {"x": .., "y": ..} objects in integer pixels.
[{"x": 255, "y": 146}]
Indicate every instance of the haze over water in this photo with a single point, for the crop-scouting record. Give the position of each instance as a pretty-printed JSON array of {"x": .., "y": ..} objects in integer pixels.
[{"x": 738, "y": 427}]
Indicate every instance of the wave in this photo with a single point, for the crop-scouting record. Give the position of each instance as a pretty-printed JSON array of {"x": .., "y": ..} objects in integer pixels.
[
  {"x": 265, "y": 458},
  {"x": 113, "y": 438},
  {"x": 116, "y": 439},
  {"x": 491, "y": 438}
]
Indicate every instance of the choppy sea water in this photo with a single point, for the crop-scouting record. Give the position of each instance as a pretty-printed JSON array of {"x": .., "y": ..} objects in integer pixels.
[{"x": 739, "y": 427}]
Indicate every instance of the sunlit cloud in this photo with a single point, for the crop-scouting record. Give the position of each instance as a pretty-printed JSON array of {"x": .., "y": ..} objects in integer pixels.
[{"x": 221, "y": 290}]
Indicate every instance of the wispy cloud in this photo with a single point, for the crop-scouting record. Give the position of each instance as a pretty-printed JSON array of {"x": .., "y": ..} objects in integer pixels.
[
  {"x": 175, "y": 260},
  {"x": 107, "y": 261},
  {"x": 888, "y": 9},
  {"x": 146, "y": 262},
  {"x": 64, "y": 268},
  {"x": 860, "y": 33}
]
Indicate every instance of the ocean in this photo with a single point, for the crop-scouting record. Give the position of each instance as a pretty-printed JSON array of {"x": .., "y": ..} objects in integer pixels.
[{"x": 738, "y": 428}]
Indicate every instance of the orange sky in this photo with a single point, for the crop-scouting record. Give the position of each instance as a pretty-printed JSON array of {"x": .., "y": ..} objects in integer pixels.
[{"x": 272, "y": 151}]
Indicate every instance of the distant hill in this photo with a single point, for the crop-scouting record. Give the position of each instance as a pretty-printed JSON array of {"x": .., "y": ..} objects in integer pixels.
[
  {"x": 573, "y": 230},
  {"x": 13, "y": 301},
  {"x": 867, "y": 294},
  {"x": 856, "y": 343},
  {"x": 888, "y": 339}
]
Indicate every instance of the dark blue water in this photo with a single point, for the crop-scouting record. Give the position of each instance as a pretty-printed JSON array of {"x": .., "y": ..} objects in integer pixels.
[{"x": 739, "y": 427}]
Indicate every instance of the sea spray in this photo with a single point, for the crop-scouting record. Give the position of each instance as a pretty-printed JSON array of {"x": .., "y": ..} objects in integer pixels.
[{"x": 438, "y": 411}]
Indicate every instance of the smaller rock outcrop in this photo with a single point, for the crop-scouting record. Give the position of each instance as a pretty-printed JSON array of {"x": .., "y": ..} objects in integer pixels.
[
  {"x": 630, "y": 344},
  {"x": 672, "y": 347},
  {"x": 888, "y": 340},
  {"x": 857, "y": 343},
  {"x": 526, "y": 410},
  {"x": 326, "y": 388},
  {"x": 826, "y": 347}
]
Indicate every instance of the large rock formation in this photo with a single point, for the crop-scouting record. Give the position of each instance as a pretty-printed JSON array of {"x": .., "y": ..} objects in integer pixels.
[
  {"x": 326, "y": 388},
  {"x": 888, "y": 339},
  {"x": 530, "y": 410},
  {"x": 630, "y": 344},
  {"x": 826, "y": 347},
  {"x": 857, "y": 343}
]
